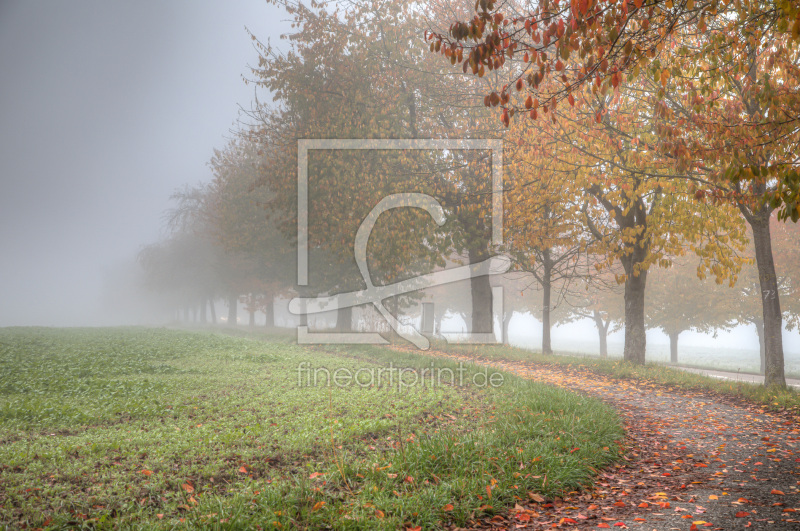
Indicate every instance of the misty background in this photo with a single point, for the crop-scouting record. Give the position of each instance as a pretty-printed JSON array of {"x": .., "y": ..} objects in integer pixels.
[{"x": 106, "y": 108}]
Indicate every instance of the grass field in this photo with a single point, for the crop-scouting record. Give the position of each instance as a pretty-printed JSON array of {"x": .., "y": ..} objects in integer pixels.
[{"x": 153, "y": 428}]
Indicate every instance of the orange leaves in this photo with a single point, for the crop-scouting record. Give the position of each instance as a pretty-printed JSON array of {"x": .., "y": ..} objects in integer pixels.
[
  {"x": 638, "y": 3},
  {"x": 665, "y": 74},
  {"x": 777, "y": 492},
  {"x": 529, "y": 102},
  {"x": 315, "y": 475},
  {"x": 188, "y": 487},
  {"x": 742, "y": 514},
  {"x": 447, "y": 508},
  {"x": 147, "y": 472},
  {"x": 317, "y": 506}
]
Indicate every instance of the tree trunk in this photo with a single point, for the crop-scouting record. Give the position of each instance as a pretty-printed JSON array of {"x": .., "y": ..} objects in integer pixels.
[
  {"x": 673, "y": 347},
  {"x": 344, "y": 319},
  {"x": 233, "y": 306},
  {"x": 203, "y": 308},
  {"x": 303, "y": 317},
  {"x": 602, "y": 332},
  {"x": 761, "y": 354},
  {"x": 269, "y": 311},
  {"x": 546, "y": 326},
  {"x": 635, "y": 338},
  {"x": 770, "y": 302},
  {"x": 212, "y": 310},
  {"x": 506, "y": 320},
  {"x": 481, "y": 291},
  {"x": 396, "y": 312}
]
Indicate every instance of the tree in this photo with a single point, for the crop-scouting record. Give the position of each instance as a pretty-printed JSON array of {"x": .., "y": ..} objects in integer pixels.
[
  {"x": 545, "y": 231},
  {"x": 343, "y": 78},
  {"x": 678, "y": 301},
  {"x": 744, "y": 301},
  {"x": 184, "y": 268},
  {"x": 260, "y": 260}
]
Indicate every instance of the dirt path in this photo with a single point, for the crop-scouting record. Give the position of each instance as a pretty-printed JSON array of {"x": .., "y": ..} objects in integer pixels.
[{"x": 695, "y": 461}]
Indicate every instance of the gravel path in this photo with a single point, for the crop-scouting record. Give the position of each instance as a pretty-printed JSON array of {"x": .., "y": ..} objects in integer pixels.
[{"x": 695, "y": 461}]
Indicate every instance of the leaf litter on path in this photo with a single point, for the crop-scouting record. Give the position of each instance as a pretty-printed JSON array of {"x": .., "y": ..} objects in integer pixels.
[{"x": 694, "y": 461}]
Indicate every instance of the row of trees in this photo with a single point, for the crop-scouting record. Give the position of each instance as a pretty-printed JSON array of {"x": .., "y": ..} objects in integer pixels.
[
  {"x": 642, "y": 147},
  {"x": 659, "y": 107}
]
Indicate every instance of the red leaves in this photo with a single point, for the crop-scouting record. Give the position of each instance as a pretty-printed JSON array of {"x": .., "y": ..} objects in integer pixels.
[
  {"x": 742, "y": 514},
  {"x": 777, "y": 492}
]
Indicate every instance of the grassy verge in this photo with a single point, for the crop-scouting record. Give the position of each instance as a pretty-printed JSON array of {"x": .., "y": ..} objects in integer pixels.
[
  {"x": 771, "y": 398},
  {"x": 141, "y": 428}
]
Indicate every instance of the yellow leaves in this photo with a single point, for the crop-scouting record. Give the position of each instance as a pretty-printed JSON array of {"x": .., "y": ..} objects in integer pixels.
[{"x": 664, "y": 77}]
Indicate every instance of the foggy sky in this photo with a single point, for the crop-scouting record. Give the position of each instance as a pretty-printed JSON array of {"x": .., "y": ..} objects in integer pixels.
[{"x": 105, "y": 109}]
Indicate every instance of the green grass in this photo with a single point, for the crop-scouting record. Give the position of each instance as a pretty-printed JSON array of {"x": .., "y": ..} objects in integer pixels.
[
  {"x": 143, "y": 428},
  {"x": 771, "y": 398}
]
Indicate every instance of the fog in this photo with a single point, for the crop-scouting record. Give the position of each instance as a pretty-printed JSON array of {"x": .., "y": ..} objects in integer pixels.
[{"x": 105, "y": 109}]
